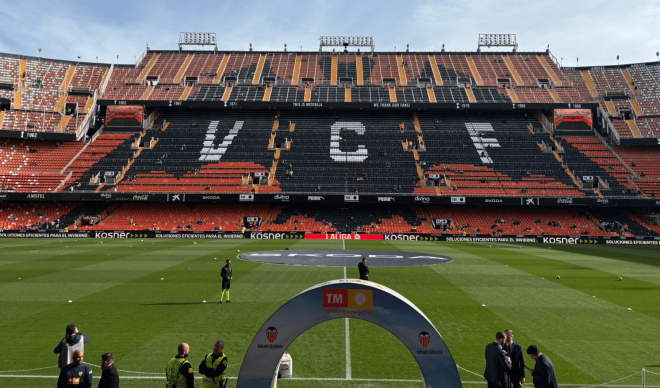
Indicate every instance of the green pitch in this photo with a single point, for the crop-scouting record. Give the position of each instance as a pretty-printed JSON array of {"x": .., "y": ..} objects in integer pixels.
[{"x": 595, "y": 328}]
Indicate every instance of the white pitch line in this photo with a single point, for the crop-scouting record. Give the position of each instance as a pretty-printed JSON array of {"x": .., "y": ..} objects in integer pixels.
[
  {"x": 349, "y": 368},
  {"x": 333, "y": 379},
  {"x": 343, "y": 242}
]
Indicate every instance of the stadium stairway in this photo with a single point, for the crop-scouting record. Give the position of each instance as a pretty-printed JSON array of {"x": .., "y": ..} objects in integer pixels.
[
  {"x": 147, "y": 68},
  {"x": 221, "y": 69},
  {"x": 183, "y": 69},
  {"x": 590, "y": 84},
  {"x": 633, "y": 128},
  {"x": 475, "y": 72}
]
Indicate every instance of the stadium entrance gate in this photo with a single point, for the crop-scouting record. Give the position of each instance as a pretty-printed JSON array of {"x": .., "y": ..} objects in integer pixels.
[{"x": 349, "y": 298}]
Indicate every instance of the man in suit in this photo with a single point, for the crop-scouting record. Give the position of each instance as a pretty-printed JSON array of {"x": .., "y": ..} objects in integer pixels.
[
  {"x": 515, "y": 352},
  {"x": 364, "y": 269},
  {"x": 498, "y": 364},
  {"x": 109, "y": 376},
  {"x": 543, "y": 373}
]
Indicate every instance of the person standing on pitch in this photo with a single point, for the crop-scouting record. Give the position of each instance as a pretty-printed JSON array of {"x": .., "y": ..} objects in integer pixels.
[
  {"x": 543, "y": 373},
  {"x": 515, "y": 352},
  {"x": 212, "y": 368},
  {"x": 73, "y": 340},
  {"x": 178, "y": 371},
  {"x": 109, "y": 376},
  {"x": 498, "y": 364},
  {"x": 226, "y": 280},
  {"x": 76, "y": 374},
  {"x": 364, "y": 269}
]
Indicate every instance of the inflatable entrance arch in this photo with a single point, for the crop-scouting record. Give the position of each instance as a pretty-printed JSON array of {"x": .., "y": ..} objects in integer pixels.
[{"x": 349, "y": 298}]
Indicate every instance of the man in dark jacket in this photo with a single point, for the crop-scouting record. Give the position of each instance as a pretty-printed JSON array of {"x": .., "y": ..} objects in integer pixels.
[
  {"x": 543, "y": 373},
  {"x": 364, "y": 269},
  {"x": 226, "y": 274},
  {"x": 76, "y": 374},
  {"x": 515, "y": 352},
  {"x": 73, "y": 340},
  {"x": 498, "y": 364},
  {"x": 109, "y": 376}
]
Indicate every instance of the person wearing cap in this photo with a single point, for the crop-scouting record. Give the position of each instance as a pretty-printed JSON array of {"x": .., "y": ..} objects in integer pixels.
[
  {"x": 543, "y": 374},
  {"x": 76, "y": 374},
  {"x": 515, "y": 351},
  {"x": 73, "y": 340},
  {"x": 109, "y": 376},
  {"x": 179, "y": 371},
  {"x": 213, "y": 366},
  {"x": 364, "y": 269}
]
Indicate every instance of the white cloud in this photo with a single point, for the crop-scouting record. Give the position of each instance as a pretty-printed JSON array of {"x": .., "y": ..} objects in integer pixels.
[{"x": 594, "y": 33}]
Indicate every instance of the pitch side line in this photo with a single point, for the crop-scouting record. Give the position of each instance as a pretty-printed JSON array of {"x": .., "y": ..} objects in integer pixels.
[
  {"x": 332, "y": 379},
  {"x": 349, "y": 368}
]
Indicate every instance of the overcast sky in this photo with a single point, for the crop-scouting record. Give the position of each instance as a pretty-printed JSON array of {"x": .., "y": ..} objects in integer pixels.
[{"x": 594, "y": 31}]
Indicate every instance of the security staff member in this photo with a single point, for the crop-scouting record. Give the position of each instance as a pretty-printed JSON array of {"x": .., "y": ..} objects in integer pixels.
[
  {"x": 178, "y": 371},
  {"x": 226, "y": 274},
  {"x": 364, "y": 269},
  {"x": 212, "y": 367}
]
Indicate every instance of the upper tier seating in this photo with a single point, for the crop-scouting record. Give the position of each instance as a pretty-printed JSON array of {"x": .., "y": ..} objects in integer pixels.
[
  {"x": 18, "y": 120},
  {"x": 608, "y": 81},
  {"x": 646, "y": 80},
  {"x": 88, "y": 77}
]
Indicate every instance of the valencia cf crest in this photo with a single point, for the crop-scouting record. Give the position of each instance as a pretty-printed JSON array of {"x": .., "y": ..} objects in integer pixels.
[
  {"x": 424, "y": 339},
  {"x": 271, "y": 334}
]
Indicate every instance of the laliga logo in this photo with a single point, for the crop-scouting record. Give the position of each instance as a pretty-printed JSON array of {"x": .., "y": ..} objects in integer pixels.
[
  {"x": 424, "y": 339},
  {"x": 271, "y": 334}
]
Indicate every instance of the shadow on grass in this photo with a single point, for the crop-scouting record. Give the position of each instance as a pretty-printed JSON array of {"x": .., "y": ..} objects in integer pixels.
[{"x": 175, "y": 304}]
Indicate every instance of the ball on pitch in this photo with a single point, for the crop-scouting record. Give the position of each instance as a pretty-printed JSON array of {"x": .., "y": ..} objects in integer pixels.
[
  {"x": 558, "y": 277},
  {"x": 238, "y": 250},
  {"x": 620, "y": 278},
  {"x": 162, "y": 278},
  {"x": 195, "y": 243}
]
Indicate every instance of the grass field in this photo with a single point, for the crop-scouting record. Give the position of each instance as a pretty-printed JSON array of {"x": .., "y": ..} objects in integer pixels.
[{"x": 582, "y": 321}]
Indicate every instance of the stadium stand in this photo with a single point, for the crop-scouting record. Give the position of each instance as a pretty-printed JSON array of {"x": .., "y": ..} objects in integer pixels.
[
  {"x": 166, "y": 217},
  {"x": 239, "y": 144},
  {"x": 499, "y": 157},
  {"x": 589, "y": 161},
  {"x": 30, "y": 215},
  {"x": 517, "y": 221}
]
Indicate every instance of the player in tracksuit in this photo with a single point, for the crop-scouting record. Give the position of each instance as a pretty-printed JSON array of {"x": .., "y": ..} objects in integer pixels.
[{"x": 72, "y": 341}]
